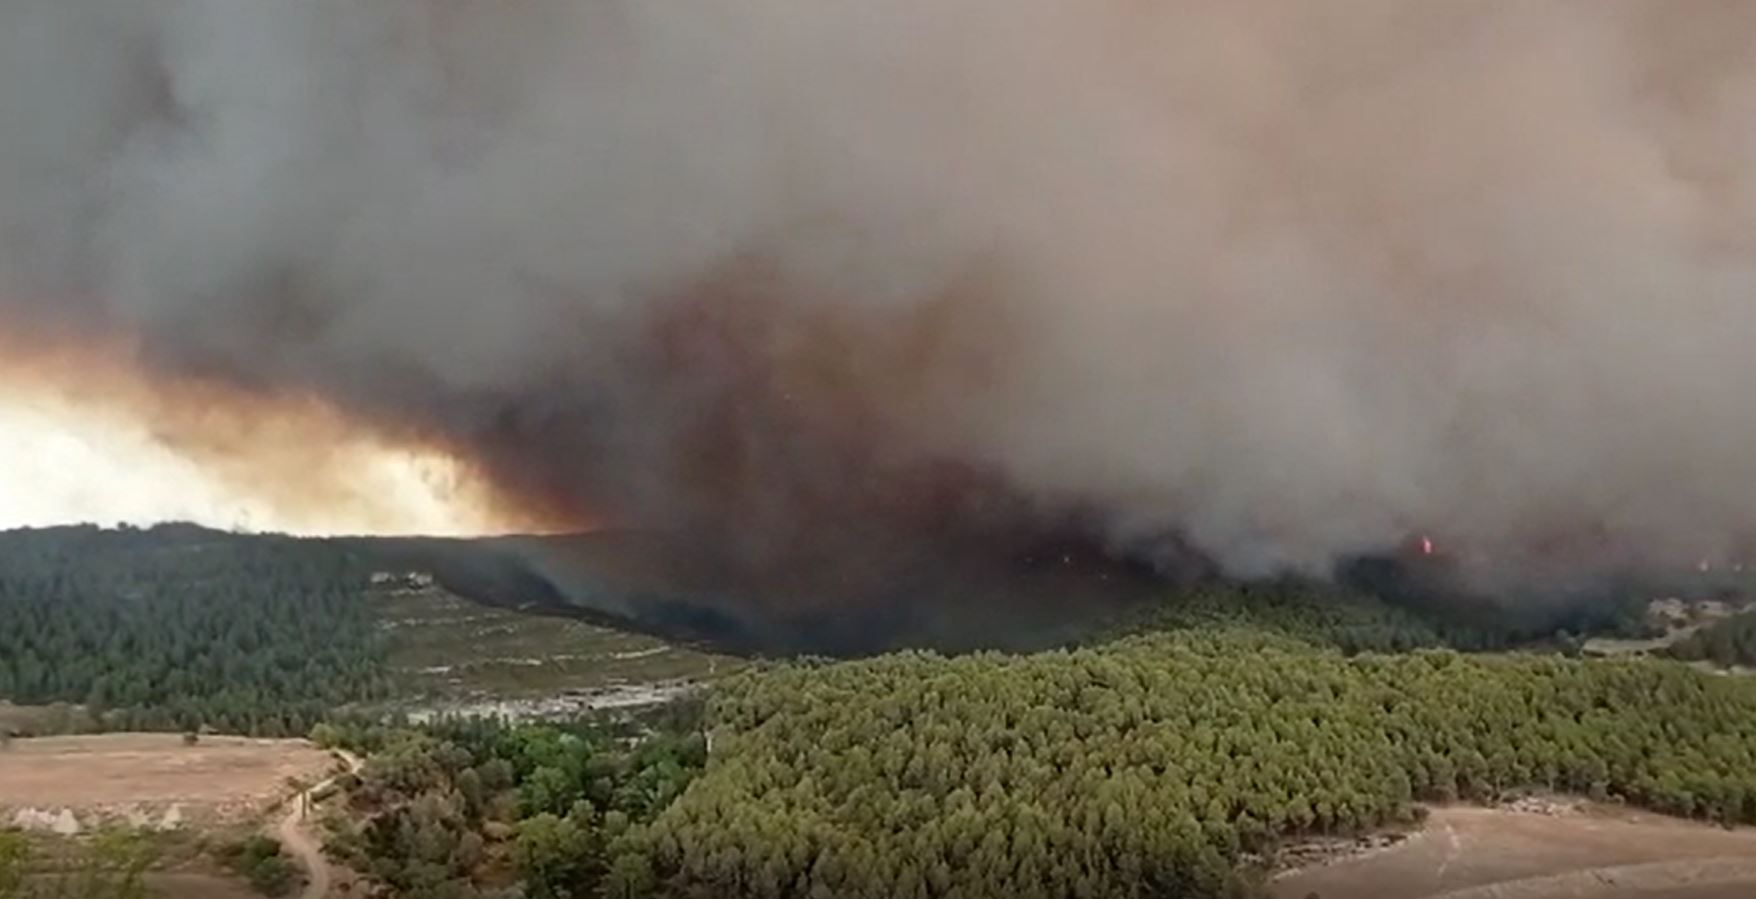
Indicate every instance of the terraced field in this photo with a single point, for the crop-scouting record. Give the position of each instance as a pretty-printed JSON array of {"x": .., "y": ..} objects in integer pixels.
[{"x": 450, "y": 648}]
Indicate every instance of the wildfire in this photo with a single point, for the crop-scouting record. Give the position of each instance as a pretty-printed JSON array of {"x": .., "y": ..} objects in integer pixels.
[{"x": 1426, "y": 545}]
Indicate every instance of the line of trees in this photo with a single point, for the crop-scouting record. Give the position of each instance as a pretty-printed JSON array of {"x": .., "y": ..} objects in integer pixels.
[
  {"x": 1355, "y": 620},
  {"x": 177, "y": 628}
]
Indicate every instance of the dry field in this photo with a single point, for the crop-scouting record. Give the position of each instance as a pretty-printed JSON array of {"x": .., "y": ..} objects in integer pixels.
[
  {"x": 1594, "y": 853},
  {"x": 220, "y": 779}
]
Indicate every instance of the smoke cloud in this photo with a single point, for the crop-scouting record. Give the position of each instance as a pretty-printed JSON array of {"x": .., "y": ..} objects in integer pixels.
[{"x": 1280, "y": 281}]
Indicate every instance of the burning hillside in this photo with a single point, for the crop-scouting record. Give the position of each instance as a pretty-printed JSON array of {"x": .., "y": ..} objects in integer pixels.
[{"x": 1260, "y": 284}]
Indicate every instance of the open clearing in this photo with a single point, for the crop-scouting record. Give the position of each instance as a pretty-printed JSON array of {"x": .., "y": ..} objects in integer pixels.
[
  {"x": 1594, "y": 853},
  {"x": 111, "y": 776}
]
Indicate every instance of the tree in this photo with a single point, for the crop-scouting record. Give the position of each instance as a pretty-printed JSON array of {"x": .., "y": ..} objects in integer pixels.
[
  {"x": 273, "y": 876},
  {"x": 325, "y": 735},
  {"x": 560, "y": 859},
  {"x": 260, "y": 861},
  {"x": 548, "y": 789}
]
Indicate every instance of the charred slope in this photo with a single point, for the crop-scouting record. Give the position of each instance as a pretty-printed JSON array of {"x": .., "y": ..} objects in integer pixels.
[
  {"x": 1015, "y": 594},
  {"x": 970, "y": 595},
  {"x": 1010, "y": 592}
]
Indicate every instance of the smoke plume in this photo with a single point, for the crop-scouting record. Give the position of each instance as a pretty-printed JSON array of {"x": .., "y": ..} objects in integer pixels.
[{"x": 1280, "y": 281}]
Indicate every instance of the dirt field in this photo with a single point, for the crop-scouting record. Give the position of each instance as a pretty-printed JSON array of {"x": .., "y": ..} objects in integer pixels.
[
  {"x": 1597, "y": 853},
  {"x": 218, "y": 779}
]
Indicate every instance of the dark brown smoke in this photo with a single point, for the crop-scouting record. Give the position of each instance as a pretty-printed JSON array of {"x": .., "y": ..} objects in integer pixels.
[{"x": 1276, "y": 283}]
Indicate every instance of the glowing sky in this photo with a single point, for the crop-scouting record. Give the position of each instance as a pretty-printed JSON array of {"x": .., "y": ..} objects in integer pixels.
[{"x": 61, "y": 463}]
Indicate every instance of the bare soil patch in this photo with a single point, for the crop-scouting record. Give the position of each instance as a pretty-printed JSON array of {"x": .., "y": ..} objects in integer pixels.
[
  {"x": 1593, "y": 852},
  {"x": 219, "y": 779}
]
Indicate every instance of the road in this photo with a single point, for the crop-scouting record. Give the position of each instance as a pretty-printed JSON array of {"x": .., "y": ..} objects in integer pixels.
[{"x": 301, "y": 844}]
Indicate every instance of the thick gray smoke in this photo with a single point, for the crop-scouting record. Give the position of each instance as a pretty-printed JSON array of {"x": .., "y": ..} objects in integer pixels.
[{"x": 1289, "y": 280}]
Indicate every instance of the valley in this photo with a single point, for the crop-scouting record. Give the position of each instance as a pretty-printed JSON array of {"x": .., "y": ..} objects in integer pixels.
[{"x": 563, "y": 751}]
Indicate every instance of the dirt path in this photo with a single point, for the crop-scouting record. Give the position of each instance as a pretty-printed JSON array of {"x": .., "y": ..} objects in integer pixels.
[{"x": 300, "y": 843}]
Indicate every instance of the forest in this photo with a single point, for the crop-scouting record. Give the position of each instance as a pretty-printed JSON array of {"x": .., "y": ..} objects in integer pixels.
[
  {"x": 1166, "y": 765},
  {"x": 1174, "y": 756},
  {"x": 1160, "y": 766},
  {"x": 180, "y": 628}
]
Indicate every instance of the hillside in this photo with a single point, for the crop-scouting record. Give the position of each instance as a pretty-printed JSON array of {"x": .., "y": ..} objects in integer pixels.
[
  {"x": 1177, "y": 764},
  {"x": 684, "y": 588},
  {"x": 183, "y": 628},
  {"x": 1176, "y": 742},
  {"x": 179, "y": 627}
]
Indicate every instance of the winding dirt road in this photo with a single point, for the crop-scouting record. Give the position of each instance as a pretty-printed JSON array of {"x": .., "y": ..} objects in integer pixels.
[{"x": 301, "y": 844}]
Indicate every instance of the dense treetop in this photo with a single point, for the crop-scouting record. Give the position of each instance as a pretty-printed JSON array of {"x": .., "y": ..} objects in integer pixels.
[
  {"x": 1157, "y": 766},
  {"x": 464, "y": 809},
  {"x": 1166, "y": 765},
  {"x": 180, "y": 627}
]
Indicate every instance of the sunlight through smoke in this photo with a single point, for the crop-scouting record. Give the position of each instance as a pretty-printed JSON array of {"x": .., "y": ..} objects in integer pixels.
[{"x": 66, "y": 465}]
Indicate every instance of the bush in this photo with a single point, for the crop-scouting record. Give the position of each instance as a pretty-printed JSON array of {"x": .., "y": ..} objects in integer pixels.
[
  {"x": 325, "y": 736},
  {"x": 258, "y": 859},
  {"x": 273, "y": 876}
]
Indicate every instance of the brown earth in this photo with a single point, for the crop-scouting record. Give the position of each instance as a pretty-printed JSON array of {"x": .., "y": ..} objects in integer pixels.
[
  {"x": 1594, "y": 853},
  {"x": 217, "y": 779}
]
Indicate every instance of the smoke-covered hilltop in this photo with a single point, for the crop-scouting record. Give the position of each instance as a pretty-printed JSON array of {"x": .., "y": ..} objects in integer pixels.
[{"x": 1288, "y": 282}]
